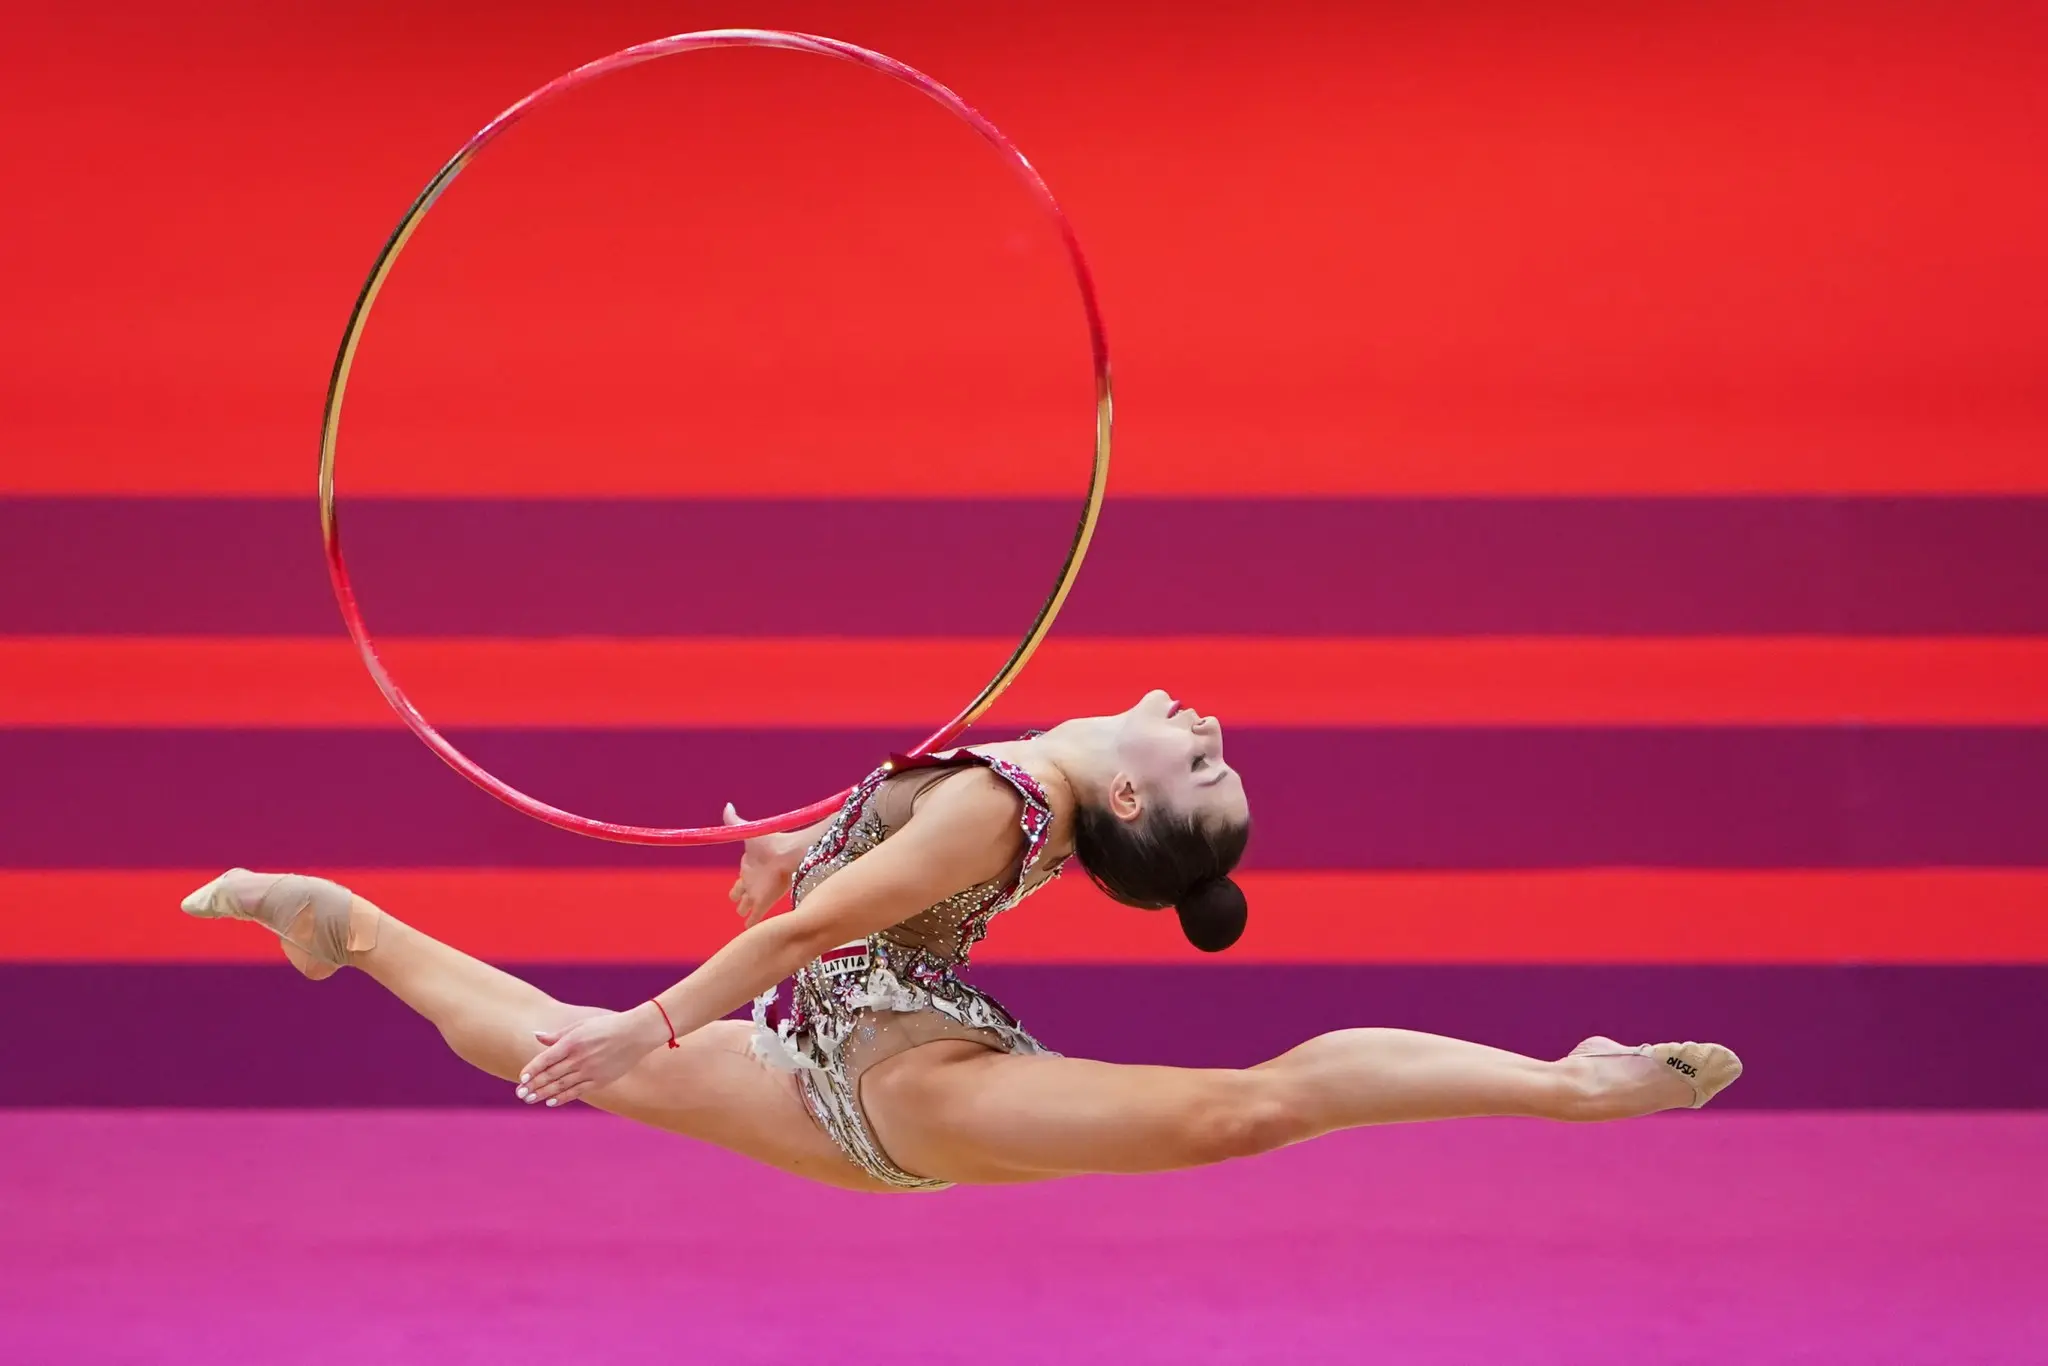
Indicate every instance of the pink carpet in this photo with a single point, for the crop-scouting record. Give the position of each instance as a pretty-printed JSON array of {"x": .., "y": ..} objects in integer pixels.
[{"x": 450, "y": 1237}]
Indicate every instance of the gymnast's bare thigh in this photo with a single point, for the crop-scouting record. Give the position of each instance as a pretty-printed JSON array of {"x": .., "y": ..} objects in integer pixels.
[
  {"x": 951, "y": 1109},
  {"x": 954, "y": 1111},
  {"x": 713, "y": 1089},
  {"x": 913, "y": 1100}
]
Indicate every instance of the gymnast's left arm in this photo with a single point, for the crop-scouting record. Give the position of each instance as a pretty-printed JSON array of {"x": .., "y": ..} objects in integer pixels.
[{"x": 961, "y": 841}]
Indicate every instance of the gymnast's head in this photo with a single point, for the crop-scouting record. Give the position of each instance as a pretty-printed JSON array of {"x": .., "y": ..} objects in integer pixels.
[{"x": 1161, "y": 820}]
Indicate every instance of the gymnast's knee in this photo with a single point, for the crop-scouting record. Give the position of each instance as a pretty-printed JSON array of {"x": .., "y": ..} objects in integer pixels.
[
  {"x": 503, "y": 1046},
  {"x": 1242, "y": 1115}
]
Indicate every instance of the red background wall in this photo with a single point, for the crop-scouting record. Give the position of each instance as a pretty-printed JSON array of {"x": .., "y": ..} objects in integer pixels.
[{"x": 1469, "y": 250}]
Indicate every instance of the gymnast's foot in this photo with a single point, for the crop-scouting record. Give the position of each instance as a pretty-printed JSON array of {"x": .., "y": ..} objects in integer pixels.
[
  {"x": 1679, "y": 1075},
  {"x": 320, "y": 923}
]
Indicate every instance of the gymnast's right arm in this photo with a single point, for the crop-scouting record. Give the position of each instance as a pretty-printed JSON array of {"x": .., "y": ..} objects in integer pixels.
[{"x": 963, "y": 835}]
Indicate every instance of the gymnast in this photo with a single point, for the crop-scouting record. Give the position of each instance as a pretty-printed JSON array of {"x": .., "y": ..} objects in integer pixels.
[{"x": 887, "y": 1071}]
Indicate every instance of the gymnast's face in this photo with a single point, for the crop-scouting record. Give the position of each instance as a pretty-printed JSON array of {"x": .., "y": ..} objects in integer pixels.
[{"x": 1170, "y": 754}]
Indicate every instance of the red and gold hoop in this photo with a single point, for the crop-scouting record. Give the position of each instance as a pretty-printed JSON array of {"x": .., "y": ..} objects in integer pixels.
[{"x": 338, "y": 384}]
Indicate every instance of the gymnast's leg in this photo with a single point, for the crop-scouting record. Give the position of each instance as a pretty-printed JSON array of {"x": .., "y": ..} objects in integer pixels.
[
  {"x": 958, "y": 1112},
  {"x": 711, "y": 1088}
]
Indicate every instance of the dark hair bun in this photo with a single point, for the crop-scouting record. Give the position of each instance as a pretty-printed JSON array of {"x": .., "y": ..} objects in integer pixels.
[{"x": 1213, "y": 915}]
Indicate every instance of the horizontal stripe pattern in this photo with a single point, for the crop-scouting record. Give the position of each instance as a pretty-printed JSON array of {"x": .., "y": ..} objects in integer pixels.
[
  {"x": 1259, "y": 567},
  {"x": 1412, "y": 798},
  {"x": 1611, "y": 917},
  {"x": 1194, "y": 443},
  {"x": 1810, "y": 1037},
  {"x": 93, "y": 681},
  {"x": 1809, "y": 799},
  {"x": 1676, "y": 312}
]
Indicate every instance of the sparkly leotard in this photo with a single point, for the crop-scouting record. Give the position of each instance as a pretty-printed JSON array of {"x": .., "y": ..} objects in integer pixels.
[{"x": 870, "y": 1000}]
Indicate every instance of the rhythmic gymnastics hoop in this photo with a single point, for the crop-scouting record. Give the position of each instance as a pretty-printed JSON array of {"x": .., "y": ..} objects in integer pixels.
[{"x": 330, "y": 524}]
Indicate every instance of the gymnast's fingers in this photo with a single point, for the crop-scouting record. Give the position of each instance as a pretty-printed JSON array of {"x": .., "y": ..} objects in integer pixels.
[
  {"x": 553, "y": 1092},
  {"x": 552, "y": 1085},
  {"x": 551, "y": 1056},
  {"x": 739, "y": 887},
  {"x": 544, "y": 1069},
  {"x": 547, "y": 1078}
]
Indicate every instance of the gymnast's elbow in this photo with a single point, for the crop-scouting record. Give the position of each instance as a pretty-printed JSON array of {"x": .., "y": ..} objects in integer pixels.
[
  {"x": 799, "y": 937},
  {"x": 834, "y": 916}
]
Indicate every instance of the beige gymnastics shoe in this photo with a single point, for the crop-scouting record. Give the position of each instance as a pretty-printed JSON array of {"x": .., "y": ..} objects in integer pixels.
[
  {"x": 310, "y": 914},
  {"x": 1708, "y": 1068}
]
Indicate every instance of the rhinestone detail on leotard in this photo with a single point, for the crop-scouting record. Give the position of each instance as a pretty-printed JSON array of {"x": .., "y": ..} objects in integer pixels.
[{"x": 868, "y": 1000}]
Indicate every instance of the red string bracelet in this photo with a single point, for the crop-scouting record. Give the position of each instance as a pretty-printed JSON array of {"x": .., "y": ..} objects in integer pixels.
[{"x": 670, "y": 1023}]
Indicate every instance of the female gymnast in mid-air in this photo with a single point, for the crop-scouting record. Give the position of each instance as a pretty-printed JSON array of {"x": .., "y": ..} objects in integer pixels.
[{"x": 888, "y": 1072}]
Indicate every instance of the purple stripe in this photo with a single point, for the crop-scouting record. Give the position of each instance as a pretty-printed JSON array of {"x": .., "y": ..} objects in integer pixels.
[
  {"x": 1422, "y": 799},
  {"x": 1810, "y": 1037},
  {"x": 1333, "y": 567}
]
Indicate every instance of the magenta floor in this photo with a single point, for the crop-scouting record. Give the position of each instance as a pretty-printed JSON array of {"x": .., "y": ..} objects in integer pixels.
[{"x": 451, "y": 1237}]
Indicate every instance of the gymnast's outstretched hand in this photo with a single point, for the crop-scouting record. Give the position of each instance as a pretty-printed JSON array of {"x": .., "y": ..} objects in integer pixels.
[
  {"x": 767, "y": 862},
  {"x": 590, "y": 1053}
]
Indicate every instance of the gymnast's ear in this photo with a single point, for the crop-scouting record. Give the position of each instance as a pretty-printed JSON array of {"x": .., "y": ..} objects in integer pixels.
[{"x": 1213, "y": 915}]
